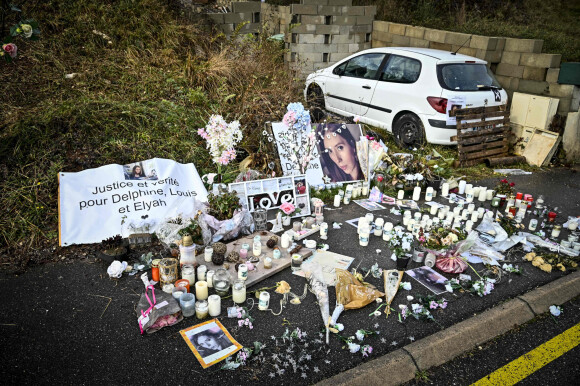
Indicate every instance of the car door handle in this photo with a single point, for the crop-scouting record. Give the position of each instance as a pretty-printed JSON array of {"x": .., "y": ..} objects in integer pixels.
[{"x": 367, "y": 87}]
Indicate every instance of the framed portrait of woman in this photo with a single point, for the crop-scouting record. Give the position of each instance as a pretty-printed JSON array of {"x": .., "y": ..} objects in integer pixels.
[
  {"x": 210, "y": 342},
  {"x": 339, "y": 156}
]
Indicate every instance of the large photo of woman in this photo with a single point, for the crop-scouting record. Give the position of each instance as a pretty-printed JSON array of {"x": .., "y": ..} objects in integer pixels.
[{"x": 338, "y": 151}]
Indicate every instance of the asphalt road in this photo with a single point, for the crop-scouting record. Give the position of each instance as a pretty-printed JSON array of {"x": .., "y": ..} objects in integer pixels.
[
  {"x": 57, "y": 325},
  {"x": 486, "y": 359}
]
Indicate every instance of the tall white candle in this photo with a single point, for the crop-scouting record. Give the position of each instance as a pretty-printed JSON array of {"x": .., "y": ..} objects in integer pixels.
[
  {"x": 445, "y": 189},
  {"x": 482, "y": 194},
  {"x": 470, "y": 208},
  {"x": 468, "y": 226},
  {"x": 416, "y": 193},
  {"x": 400, "y": 194},
  {"x": 489, "y": 194},
  {"x": 285, "y": 242},
  {"x": 239, "y": 293},
  {"x": 201, "y": 270},
  {"x": 469, "y": 194},
  {"x": 215, "y": 305},
  {"x": 474, "y": 216},
  {"x": 379, "y": 226},
  {"x": 433, "y": 210},
  {"x": 480, "y": 212},
  {"x": 365, "y": 190},
  {"x": 201, "y": 290},
  {"x": 389, "y": 226},
  {"x": 336, "y": 201},
  {"x": 429, "y": 194},
  {"x": 462, "y": 185},
  {"x": 324, "y": 231}
]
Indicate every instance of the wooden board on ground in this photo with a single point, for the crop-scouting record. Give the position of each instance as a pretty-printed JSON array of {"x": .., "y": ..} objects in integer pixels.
[
  {"x": 260, "y": 273},
  {"x": 541, "y": 147}
]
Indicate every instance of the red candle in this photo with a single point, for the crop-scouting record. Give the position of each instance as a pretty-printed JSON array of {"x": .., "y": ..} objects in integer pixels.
[
  {"x": 551, "y": 216},
  {"x": 182, "y": 283},
  {"x": 519, "y": 196}
]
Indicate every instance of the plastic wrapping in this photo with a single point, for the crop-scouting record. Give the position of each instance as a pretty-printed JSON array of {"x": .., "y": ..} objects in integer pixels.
[
  {"x": 537, "y": 240},
  {"x": 493, "y": 229},
  {"x": 313, "y": 273},
  {"x": 351, "y": 293},
  {"x": 241, "y": 223},
  {"x": 157, "y": 310},
  {"x": 168, "y": 231}
]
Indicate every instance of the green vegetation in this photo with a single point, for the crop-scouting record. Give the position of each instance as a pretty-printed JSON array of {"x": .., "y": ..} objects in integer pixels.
[
  {"x": 142, "y": 95},
  {"x": 556, "y": 22}
]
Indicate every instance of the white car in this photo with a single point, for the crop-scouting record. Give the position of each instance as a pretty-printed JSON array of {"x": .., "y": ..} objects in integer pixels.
[{"x": 405, "y": 91}]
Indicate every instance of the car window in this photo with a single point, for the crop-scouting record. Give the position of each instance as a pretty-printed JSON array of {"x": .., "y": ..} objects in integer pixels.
[
  {"x": 364, "y": 66},
  {"x": 466, "y": 77},
  {"x": 339, "y": 69},
  {"x": 401, "y": 69}
]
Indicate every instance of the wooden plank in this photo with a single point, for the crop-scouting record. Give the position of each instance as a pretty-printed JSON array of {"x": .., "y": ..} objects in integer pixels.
[
  {"x": 483, "y": 116},
  {"x": 485, "y": 139},
  {"x": 483, "y": 132},
  {"x": 484, "y": 154},
  {"x": 483, "y": 146},
  {"x": 477, "y": 110},
  {"x": 260, "y": 273},
  {"x": 494, "y": 122}
]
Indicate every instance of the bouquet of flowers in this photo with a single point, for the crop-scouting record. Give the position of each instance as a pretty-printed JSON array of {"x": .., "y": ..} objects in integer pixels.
[
  {"x": 505, "y": 187},
  {"x": 221, "y": 138},
  {"x": 442, "y": 238},
  {"x": 287, "y": 209},
  {"x": 301, "y": 142},
  {"x": 400, "y": 243}
]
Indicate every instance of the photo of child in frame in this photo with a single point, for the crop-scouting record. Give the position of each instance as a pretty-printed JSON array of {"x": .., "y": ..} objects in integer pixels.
[
  {"x": 210, "y": 342},
  {"x": 140, "y": 171},
  {"x": 338, "y": 154}
]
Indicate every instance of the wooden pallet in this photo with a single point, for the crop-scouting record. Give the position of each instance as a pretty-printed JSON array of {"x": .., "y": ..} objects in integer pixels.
[{"x": 481, "y": 138}]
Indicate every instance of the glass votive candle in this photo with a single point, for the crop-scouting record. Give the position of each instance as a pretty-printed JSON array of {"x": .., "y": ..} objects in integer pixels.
[
  {"x": 239, "y": 291},
  {"x": 201, "y": 271},
  {"x": 183, "y": 283},
  {"x": 276, "y": 254},
  {"x": 246, "y": 246},
  {"x": 297, "y": 226},
  {"x": 214, "y": 305},
  {"x": 268, "y": 262},
  {"x": 243, "y": 254},
  {"x": 201, "y": 309},
  {"x": 480, "y": 212},
  {"x": 242, "y": 272},
  {"x": 209, "y": 278},
  {"x": 207, "y": 253},
  {"x": 177, "y": 292},
  {"x": 187, "y": 304},
  {"x": 188, "y": 273}
]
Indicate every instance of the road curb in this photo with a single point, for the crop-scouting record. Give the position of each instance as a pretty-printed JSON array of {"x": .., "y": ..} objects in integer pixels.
[{"x": 434, "y": 350}]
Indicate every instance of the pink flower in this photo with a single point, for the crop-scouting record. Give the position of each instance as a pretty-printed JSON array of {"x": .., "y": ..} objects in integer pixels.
[
  {"x": 240, "y": 323},
  {"x": 356, "y": 119},
  {"x": 433, "y": 305},
  {"x": 289, "y": 118},
  {"x": 10, "y": 49},
  {"x": 287, "y": 208},
  {"x": 443, "y": 305}
]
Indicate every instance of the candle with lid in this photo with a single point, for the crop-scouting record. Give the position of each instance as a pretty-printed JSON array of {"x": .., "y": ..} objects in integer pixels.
[
  {"x": 264, "y": 301},
  {"x": 429, "y": 194},
  {"x": 242, "y": 272}
]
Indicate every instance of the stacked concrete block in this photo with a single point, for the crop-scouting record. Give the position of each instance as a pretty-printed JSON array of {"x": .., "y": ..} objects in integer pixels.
[
  {"x": 248, "y": 13},
  {"x": 327, "y": 31}
]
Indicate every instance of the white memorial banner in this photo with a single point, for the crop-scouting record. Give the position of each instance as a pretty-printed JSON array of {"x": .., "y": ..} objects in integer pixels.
[{"x": 96, "y": 204}]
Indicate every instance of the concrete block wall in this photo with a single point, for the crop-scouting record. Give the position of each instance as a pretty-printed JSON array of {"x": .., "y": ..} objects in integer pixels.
[
  {"x": 518, "y": 64},
  {"x": 247, "y": 12},
  {"x": 326, "y": 31}
]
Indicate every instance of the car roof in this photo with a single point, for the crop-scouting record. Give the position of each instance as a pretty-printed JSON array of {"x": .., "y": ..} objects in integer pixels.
[{"x": 442, "y": 56}]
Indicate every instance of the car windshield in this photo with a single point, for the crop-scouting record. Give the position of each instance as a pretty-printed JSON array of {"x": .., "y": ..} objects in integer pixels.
[{"x": 466, "y": 77}]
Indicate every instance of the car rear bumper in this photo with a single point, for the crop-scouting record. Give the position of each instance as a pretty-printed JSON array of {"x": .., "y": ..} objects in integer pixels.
[{"x": 437, "y": 130}]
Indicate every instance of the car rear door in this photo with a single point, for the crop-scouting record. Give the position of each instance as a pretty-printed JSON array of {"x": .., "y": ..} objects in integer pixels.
[
  {"x": 396, "y": 90},
  {"x": 350, "y": 88}
]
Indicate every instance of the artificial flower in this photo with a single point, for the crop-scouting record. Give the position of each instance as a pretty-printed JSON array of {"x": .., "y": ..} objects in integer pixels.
[
  {"x": 555, "y": 310},
  {"x": 353, "y": 347},
  {"x": 26, "y": 30},
  {"x": 10, "y": 49},
  {"x": 405, "y": 285}
]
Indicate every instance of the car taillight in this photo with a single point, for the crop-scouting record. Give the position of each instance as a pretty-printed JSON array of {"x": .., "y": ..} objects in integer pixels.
[{"x": 439, "y": 104}]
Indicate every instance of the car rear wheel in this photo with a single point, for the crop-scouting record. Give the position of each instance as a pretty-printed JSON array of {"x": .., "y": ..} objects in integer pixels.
[
  {"x": 409, "y": 131},
  {"x": 316, "y": 96}
]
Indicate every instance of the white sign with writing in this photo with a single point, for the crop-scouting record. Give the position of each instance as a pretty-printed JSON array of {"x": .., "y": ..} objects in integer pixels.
[{"x": 94, "y": 203}]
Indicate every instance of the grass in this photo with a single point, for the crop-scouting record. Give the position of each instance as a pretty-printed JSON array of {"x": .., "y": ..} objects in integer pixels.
[
  {"x": 141, "y": 96},
  {"x": 556, "y": 22}
]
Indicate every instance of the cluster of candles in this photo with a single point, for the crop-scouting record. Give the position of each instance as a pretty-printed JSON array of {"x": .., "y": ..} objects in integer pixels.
[{"x": 351, "y": 192}]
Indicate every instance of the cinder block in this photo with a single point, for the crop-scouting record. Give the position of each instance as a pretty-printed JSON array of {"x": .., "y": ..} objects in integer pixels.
[
  {"x": 303, "y": 9},
  {"x": 362, "y": 28},
  {"x": 439, "y": 46},
  {"x": 465, "y": 50},
  {"x": 330, "y": 10},
  {"x": 353, "y": 11},
  {"x": 311, "y": 57},
  {"x": 435, "y": 35},
  {"x": 325, "y": 48},
  {"x": 217, "y": 18},
  {"x": 382, "y": 36},
  {"x": 402, "y": 41},
  {"x": 343, "y": 47},
  {"x": 327, "y": 29},
  {"x": 232, "y": 17},
  {"x": 352, "y": 48},
  {"x": 227, "y": 28},
  {"x": 510, "y": 70},
  {"x": 483, "y": 42},
  {"x": 250, "y": 27},
  {"x": 366, "y": 46},
  {"x": 415, "y": 32},
  {"x": 421, "y": 43},
  {"x": 359, "y": 38},
  {"x": 456, "y": 38},
  {"x": 344, "y": 20},
  {"x": 552, "y": 75},
  {"x": 500, "y": 44},
  {"x": 246, "y": 6},
  {"x": 339, "y": 56},
  {"x": 341, "y": 39},
  {"x": 492, "y": 56},
  {"x": 511, "y": 57},
  {"x": 564, "y": 106},
  {"x": 563, "y": 90},
  {"x": 302, "y": 48},
  {"x": 314, "y": 2},
  {"x": 504, "y": 81},
  {"x": 311, "y": 19},
  {"x": 370, "y": 10},
  {"x": 534, "y": 73},
  {"x": 397, "y": 29},
  {"x": 310, "y": 39},
  {"x": 378, "y": 44},
  {"x": 524, "y": 45},
  {"x": 304, "y": 29},
  {"x": 541, "y": 60},
  {"x": 533, "y": 87},
  {"x": 346, "y": 29},
  {"x": 340, "y": 2},
  {"x": 364, "y": 20},
  {"x": 382, "y": 26}
]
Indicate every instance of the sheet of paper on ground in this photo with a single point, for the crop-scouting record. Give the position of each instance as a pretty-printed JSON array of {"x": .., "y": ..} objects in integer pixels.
[{"x": 329, "y": 261}]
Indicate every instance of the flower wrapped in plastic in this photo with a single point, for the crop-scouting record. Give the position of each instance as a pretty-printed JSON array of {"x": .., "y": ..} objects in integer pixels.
[
  {"x": 351, "y": 293},
  {"x": 313, "y": 273}
]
